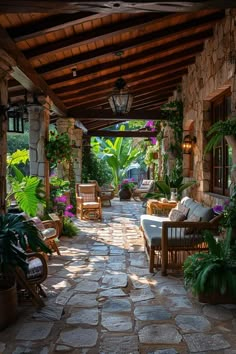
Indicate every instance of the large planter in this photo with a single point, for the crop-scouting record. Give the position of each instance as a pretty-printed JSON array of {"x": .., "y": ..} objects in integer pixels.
[
  {"x": 8, "y": 307},
  {"x": 217, "y": 298},
  {"x": 125, "y": 194}
]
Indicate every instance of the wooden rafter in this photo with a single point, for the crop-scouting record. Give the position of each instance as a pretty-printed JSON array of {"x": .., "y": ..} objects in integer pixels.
[
  {"x": 94, "y": 35},
  {"x": 205, "y": 22},
  {"x": 50, "y": 24}
]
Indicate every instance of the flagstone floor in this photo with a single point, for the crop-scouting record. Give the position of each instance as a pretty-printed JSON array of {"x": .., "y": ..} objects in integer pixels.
[{"x": 102, "y": 299}]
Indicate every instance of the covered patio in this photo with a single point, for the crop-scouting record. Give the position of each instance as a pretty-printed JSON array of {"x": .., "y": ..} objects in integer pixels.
[{"x": 102, "y": 299}]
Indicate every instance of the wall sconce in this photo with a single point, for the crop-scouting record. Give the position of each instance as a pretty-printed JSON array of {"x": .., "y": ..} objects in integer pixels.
[
  {"x": 188, "y": 143},
  {"x": 15, "y": 120}
]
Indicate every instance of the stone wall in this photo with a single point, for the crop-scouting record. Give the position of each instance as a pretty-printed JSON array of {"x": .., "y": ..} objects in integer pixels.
[{"x": 211, "y": 75}]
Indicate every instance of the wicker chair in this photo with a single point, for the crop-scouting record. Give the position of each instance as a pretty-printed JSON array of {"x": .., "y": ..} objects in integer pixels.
[
  {"x": 146, "y": 186},
  {"x": 106, "y": 193},
  {"x": 88, "y": 203},
  {"x": 49, "y": 231},
  {"x": 32, "y": 280}
]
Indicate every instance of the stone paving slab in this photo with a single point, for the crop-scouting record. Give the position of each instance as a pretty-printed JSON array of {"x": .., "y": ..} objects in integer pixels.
[{"x": 103, "y": 300}]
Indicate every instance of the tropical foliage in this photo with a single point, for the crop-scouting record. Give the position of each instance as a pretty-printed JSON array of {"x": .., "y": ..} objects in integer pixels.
[
  {"x": 58, "y": 148},
  {"x": 119, "y": 154},
  {"x": 26, "y": 190},
  {"x": 95, "y": 168},
  {"x": 167, "y": 184},
  {"x": 151, "y": 155},
  {"x": 219, "y": 130},
  {"x": 213, "y": 272}
]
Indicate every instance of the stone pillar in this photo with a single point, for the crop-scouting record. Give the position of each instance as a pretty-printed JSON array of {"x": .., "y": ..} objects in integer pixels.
[
  {"x": 65, "y": 125},
  {"x": 75, "y": 134},
  {"x": 38, "y": 133},
  {"x": 77, "y": 154}
]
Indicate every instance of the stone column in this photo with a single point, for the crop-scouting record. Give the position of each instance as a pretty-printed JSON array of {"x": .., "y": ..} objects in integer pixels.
[
  {"x": 38, "y": 133},
  {"x": 75, "y": 134},
  {"x": 65, "y": 125},
  {"x": 77, "y": 154}
]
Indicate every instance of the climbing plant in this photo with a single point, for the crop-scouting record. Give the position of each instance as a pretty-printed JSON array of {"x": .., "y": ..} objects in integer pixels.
[{"x": 172, "y": 112}]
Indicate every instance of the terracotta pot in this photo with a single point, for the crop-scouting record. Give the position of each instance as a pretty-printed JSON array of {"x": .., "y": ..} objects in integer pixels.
[
  {"x": 217, "y": 298},
  {"x": 8, "y": 306},
  {"x": 125, "y": 194},
  {"x": 155, "y": 155}
]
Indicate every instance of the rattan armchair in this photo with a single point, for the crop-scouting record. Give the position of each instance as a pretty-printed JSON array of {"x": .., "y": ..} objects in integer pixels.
[
  {"x": 105, "y": 192},
  {"x": 31, "y": 281},
  {"x": 88, "y": 203},
  {"x": 146, "y": 186}
]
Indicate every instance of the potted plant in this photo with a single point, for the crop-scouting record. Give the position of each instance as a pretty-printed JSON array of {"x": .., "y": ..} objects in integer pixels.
[
  {"x": 59, "y": 148},
  {"x": 126, "y": 188},
  {"x": 212, "y": 275},
  {"x": 16, "y": 235},
  {"x": 168, "y": 185}
]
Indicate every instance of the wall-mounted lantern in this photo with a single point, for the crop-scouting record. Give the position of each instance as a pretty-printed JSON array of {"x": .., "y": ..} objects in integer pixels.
[{"x": 188, "y": 144}]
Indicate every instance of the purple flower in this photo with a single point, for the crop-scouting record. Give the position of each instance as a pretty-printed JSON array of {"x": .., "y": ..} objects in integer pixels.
[
  {"x": 218, "y": 209},
  {"x": 68, "y": 213},
  {"x": 61, "y": 199},
  {"x": 69, "y": 207},
  {"x": 153, "y": 140},
  {"x": 149, "y": 124}
]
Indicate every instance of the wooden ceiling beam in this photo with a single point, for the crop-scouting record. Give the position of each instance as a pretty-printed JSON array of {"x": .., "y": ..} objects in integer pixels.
[
  {"x": 123, "y": 134},
  {"x": 153, "y": 103},
  {"x": 161, "y": 80},
  {"x": 50, "y": 24},
  {"x": 24, "y": 73},
  {"x": 108, "y": 115},
  {"x": 97, "y": 34},
  {"x": 190, "y": 27},
  {"x": 131, "y": 77},
  {"x": 188, "y": 42}
]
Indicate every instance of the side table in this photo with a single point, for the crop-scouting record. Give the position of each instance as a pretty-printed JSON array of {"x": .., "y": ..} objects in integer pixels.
[{"x": 161, "y": 208}]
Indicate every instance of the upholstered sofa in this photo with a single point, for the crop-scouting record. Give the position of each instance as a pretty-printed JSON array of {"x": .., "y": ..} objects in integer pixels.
[{"x": 169, "y": 240}]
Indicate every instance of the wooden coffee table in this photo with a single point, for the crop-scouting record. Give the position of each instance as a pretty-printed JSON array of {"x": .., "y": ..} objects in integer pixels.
[{"x": 160, "y": 208}]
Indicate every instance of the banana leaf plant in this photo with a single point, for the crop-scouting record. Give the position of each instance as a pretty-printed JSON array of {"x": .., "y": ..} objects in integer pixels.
[
  {"x": 16, "y": 236},
  {"x": 28, "y": 191},
  {"x": 167, "y": 184}
]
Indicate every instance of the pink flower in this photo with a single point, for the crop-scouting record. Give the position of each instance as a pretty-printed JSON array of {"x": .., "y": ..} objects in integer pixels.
[
  {"x": 69, "y": 214},
  {"x": 61, "y": 199},
  {"x": 153, "y": 140},
  {"x": 69, "y": 207},
  {"x": 149, "y": 124}
]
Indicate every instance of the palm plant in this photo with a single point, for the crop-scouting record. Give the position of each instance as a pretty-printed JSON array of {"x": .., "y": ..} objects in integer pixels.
[
  {"x": 26, "y": 190},
  {"x": 119, "y": 155},
  {"x": 213, "y": 272},
  {"x": 167, "y": 184}
]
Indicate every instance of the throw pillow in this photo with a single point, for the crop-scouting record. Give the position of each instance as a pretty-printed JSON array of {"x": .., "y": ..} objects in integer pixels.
[
  {"x": 176, "y": 215},
  {"x": 193, "y": 218},
  {"x": 182, "y": 208}
]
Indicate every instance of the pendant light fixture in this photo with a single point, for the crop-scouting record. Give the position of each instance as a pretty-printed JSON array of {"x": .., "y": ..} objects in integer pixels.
[{"x": 120, "y": 99}]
